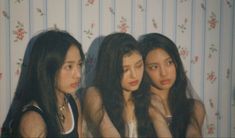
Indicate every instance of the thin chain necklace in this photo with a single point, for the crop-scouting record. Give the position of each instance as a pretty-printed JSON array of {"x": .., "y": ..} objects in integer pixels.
[{"x": 62, "y": 109}]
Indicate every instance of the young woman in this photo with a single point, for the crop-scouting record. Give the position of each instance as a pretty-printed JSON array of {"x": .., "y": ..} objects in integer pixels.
[
  {"x": 43, "y": 105},
  {"x": 174, "y": 111},
  {"x": 117, "y": 104}
]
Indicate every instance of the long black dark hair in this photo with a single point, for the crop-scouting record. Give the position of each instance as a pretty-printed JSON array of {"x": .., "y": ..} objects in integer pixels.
[
  {"x": 180, "y": 105},
  {"x": 109, "y": 72},
  {"x": 44, "y": 56}
]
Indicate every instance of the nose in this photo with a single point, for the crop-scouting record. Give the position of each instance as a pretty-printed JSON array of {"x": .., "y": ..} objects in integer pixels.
[
  {"x": 77, "y": 73},
  {"x": 163, "y": 71},
  {"x": 133, "y": 73}
]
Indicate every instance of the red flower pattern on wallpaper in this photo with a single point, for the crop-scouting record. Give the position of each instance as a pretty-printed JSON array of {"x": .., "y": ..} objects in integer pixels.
[
  {"x": 211, "y": 129},
  {"x": 183, "y": 52},
  {"x": 123, "y": 25},
  {"x": 211, "y": 77},
  {"x": 212, "y": 22},
  {"x": 19, "y": 32}
]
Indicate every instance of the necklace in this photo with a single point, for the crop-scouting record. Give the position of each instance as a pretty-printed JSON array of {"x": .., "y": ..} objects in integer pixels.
[{"x": 62, "y": 109}]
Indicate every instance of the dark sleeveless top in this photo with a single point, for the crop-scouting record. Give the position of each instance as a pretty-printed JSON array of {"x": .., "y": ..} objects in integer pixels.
[{"x": 73, "y": 133}]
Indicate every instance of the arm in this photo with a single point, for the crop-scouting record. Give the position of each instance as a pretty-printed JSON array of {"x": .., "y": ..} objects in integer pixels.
[
  {"x": 79, "y": 115},
  {"x": 32, "y": 125},
  {"x": 195, "y": 127},
  {"x": 96, "y": 117}
]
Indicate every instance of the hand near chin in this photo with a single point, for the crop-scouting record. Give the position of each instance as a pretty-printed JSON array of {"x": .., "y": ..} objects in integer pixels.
[
  {"x": 157, "y": 115},
  {"x": 157, "y": 105}
]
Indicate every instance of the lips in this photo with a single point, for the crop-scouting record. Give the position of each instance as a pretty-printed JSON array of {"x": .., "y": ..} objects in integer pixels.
[
  {"x": 75, "y": 85},
  {"x": 165, "y": 82},
  {"x": 134, "y": 83}
]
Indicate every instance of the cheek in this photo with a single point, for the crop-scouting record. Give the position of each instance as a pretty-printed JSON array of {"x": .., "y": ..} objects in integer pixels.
[
  {"x": 123, "y": 80},
  {"x": 59, "y": 83},
  {"x": 153, "y": 76},
  {"x": 140, "y": 72},
  {"x": 62, "y": 78},
  {"x": 124, "y": 84},
  {"x": 173, "y": 71},
  {"x": 174, "y": 74}
]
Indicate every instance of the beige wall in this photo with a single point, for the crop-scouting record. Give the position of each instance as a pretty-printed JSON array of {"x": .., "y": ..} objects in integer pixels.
[{"x": 202, "y": 29}]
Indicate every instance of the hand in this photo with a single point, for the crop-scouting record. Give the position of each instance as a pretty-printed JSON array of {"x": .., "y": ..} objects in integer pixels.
[{"x": 157, "y": 103}]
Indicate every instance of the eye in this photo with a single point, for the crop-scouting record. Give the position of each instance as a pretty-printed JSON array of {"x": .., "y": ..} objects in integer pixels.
[
  {"x": 80, "y": 64},
  {"x": 170, "y": 62},
  {"x": 68, "y": 67},
  {"x": 139, "y": 65},
  {"x": 125, "y": 70},
  {"x": 153, "y": 66}
]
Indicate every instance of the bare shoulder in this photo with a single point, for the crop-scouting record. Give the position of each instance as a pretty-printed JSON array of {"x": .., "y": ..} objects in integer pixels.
[
  {"x": 92, "y": 100},
  {"x": 94, "y": 112},
  {"x": 199, "y": 107},
  {"x": 195, "y": 127},
  {"x": 92, "y": 91},
  {"x": 32, "y": 125},
  {"x": 199, "y": 111},
  {"x": 92, "y": 95},
  {"x": 77, "y": 100}
]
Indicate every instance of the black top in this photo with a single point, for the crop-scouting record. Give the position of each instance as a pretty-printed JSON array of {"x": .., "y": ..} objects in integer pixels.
[{"x": 73, "y": 106}]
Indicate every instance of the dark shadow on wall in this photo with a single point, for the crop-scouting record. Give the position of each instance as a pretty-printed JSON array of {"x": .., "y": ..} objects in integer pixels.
[
  {"x": 89, "y": 65},
  {"x": 90, "y": 61}
]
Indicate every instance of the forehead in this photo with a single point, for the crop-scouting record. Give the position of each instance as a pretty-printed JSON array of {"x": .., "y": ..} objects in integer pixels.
[
  {"x": 157, "y": 55},
  {"x": 131, "y": 58},
  {"x": 73, "y": 53}
]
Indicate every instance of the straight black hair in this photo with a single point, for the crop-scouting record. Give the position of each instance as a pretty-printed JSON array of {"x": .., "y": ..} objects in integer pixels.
[
  {"x": 109, "y": 72},
  {"x": 44, "y": 56},
  {"x": 180, "y": 105}
]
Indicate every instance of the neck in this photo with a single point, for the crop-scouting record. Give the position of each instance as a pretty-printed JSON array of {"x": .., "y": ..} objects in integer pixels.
[
  {"x": 128, "y": 113},
  {"x": 60, "y": 98},
  {"x": 127, "y": 97},
  {"x": 62, "y": 106},
  {"x": 163, "y": 94}
]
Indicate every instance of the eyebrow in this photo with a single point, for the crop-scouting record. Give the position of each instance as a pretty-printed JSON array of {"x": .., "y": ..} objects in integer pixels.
[
  {"x": 69, "y": 61},
  {"x": 151, "y": 63},
  {"x": 139, "y": 61}
]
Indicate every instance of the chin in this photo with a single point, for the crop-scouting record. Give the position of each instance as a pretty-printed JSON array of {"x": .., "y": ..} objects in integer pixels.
[
  {"x": 134, "y": 89},
  {"x": 72, "y": 90}
]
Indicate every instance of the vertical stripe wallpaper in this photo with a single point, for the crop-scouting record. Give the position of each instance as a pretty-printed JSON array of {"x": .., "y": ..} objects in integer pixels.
[{"x": 204, "y": 31}]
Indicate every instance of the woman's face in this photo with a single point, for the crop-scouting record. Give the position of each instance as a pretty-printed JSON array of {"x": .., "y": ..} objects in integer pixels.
[
  {"x": 69, "y": 75},
  {"x": 161, "y": 69},
  {"x": 133, "y": 68}
]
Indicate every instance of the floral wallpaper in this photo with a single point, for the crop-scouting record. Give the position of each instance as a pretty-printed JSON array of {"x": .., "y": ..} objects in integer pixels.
[{"x": 202, "y": 29}]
